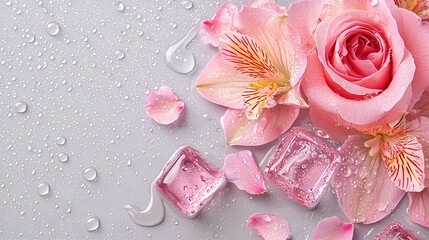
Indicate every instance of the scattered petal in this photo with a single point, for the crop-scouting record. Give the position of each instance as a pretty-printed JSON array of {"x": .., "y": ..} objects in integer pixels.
[
  {"x": 163, "y": 106},
  {"x": 364, "y": 190},
  {"x": 270, "y": 226},
  {"x": 241, "y": 169},
  {"x": 332, "y": 228},
  {"x": 418, "y": 207},
  {"x": 273, "y": 122},
  {"x": 395, "y": 231}
]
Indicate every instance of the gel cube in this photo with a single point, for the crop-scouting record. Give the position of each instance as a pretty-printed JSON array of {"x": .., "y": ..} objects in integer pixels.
[
  {"x": 397, "y": 232},
  {"x": 188, "y": 181},
  {"x": 302, "y": 166}
]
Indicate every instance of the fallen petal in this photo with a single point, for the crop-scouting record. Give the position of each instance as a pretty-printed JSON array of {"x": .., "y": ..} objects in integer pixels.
[
  {"x": 241, "y": 169},
  {"x": 270, "y": 226},
  {"x": 395, "y": 231},
  {"x": 332, "y": 228},
  {"x": 418, "y": 207},
  {"x": 163, "y": 106}
]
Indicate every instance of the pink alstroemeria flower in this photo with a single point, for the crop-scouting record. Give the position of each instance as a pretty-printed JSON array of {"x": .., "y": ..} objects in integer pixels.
[
  {"x": 380, "y": 166},
  {"x": 256, "y": 74},
  {"x": 421, "y": 8}
]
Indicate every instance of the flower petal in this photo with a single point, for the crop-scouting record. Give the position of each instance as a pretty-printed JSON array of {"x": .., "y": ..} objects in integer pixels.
[
  {"x": 405, "y": 161},
  {"x": 419, "y": 128},
  {"x": 362, "y": 184},
  {"x": 273, "y": 122},
  {"x": 333, "y": 228},
  {"x": 241, "y": 169},
  {"x": 210, "y": 30},
  {"x": 418, "y": 207},
  {"x": 280, "y": 40},
  {"x": 270, "y": 226},
  {"x": 163, "y": 106},
  {"x": 220, "y": 83}
]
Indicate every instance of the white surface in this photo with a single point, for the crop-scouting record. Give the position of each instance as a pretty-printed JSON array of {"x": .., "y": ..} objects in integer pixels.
[{"x": 89, "y": 84}]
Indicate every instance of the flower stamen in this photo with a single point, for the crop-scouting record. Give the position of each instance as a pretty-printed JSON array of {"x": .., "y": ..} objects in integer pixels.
[{"x": 259, "y": 95}]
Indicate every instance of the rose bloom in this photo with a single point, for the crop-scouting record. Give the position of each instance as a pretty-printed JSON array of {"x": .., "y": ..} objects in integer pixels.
[{"x": 367, "y": 62}]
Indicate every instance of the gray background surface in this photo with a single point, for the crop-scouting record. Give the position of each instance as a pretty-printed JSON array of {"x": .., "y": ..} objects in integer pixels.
[{"x": 76, "y": 85}]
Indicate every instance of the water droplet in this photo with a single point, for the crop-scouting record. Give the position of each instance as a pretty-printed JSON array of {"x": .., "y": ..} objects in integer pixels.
[
  {"x": 120, "y": 54},
  {"x": 30, "y": 38},
  {"x": 188, "y": 4},
  {"x": 92, "y": 224},
  {"x": 90, "y": 174},
  {"x": 178, "y": 57},
  {"x": 20, "y": 107},
  {"x": 373, "y": 3},
  {"x": 53, "y": 28},
  {"x": 120, "y": 6},
  {"x": 61, "y": 140},
  {"x": 63, "y": 157},
  {"x": 43, "y": 189}
]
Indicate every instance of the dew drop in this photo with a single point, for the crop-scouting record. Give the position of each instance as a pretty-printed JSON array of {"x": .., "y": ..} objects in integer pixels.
[
  {"x": 30, "y": 38},
  {"x": 53, "y": 28},
  {"x": 178, "y": 57},
  {"x": 188, "y": 4},
  {"x": 63, "y": 157},
  {"x": 89, "y": 174},
  {"x": 20, "y": 107},
  {"x": 373, "y": 3},
  {"x": 120, "y": 54},
  {"x": 120, "y": 6},
  {"x": 92, "y": 224},
  {"x": 43, "y": 189},
  {"x": 61, "y": 140}
]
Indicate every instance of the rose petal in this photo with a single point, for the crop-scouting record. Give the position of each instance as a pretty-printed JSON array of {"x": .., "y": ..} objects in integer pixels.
[
  {"x": 163, "y": 106},
  {"x": 332, "y": 228},
  {"x": 418, "y": 207},
  {"x": 364, "y": 190},
  {"x": 270, "y": 226},
  {"x": 222, "y": 21},
  {"x": 241, "y": 169},
  {"x": 273, "y": 122}
]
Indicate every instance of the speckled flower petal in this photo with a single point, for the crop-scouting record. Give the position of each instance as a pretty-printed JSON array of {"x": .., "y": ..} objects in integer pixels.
[
  {"x": 222, "y": 21},
  {"x": 241, "y": 169},
  {"x": 270, "y": 226},
  {"x": 164, "y": 106},
  {"x": 418, "y": 207},
  {"x": 333, "y": 228}
]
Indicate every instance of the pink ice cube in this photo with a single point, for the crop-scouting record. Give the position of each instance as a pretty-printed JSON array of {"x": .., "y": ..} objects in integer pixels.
[
  {"x": 302, "y": 166},
  {"x": 188, "y": 182},
  {"x": 395, "y": 231}
]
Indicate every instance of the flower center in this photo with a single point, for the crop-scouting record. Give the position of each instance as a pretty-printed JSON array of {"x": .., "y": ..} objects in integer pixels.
[
  {"x": 259, "y": 95},
  {"x": 419, "y": 7}
]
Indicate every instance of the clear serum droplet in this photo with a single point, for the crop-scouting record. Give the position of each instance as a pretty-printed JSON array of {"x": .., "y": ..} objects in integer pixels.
[
  {"x": 61, "y": 140},
  {"x": 178, "y": 57},
  {"x": 43, "y": 189},
  {"x": 90, "y": 174},
  {"x": 21, "y": 107},
  {"x": 53, "y": 28},
  {"x": 63, "y": 157},
  {"x": 120, "y": 6},
  {"x": 92, "y": 224}
]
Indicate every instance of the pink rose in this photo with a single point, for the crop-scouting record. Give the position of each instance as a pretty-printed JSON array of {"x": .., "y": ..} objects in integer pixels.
[{"x": 367, "y": 62}]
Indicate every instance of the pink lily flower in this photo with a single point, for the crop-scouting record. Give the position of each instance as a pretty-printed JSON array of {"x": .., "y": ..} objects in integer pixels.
[
  {"x": 256, "y": 74},
  {"x": 381, "y": 166},
  {"x": 421, "y": 8}
]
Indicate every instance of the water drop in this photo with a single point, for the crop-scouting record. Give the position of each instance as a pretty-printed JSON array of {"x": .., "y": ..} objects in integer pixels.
[
  {"x": 43, "y": 189},
  {"x": 53, "y": 28},
  {"x": 92, "y": 224},
  {"x": 20, "y": 107},
  {"x": 178, "y": 57},
  {"x": 188, "y": 4},
  {"x": 30, "y": 38},
  {"x": 61, "y": 140},
  {"x": 373, "y": 3},
  {"x": 89, "y": 174},
  {"x": 120, "y": 6},
  {"x": 63, "y": 157},
  {"x": 120, "y": 54}
]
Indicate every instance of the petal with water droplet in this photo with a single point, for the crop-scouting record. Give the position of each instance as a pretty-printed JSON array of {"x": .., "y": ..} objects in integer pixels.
[
  {"x": 241, "y": 169},
  {"x": 418, "y": 207},
  {"x": 164, "y": 106},
  {"x": 270, "y": 226},
  {"x": 333, "y": 228}
]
